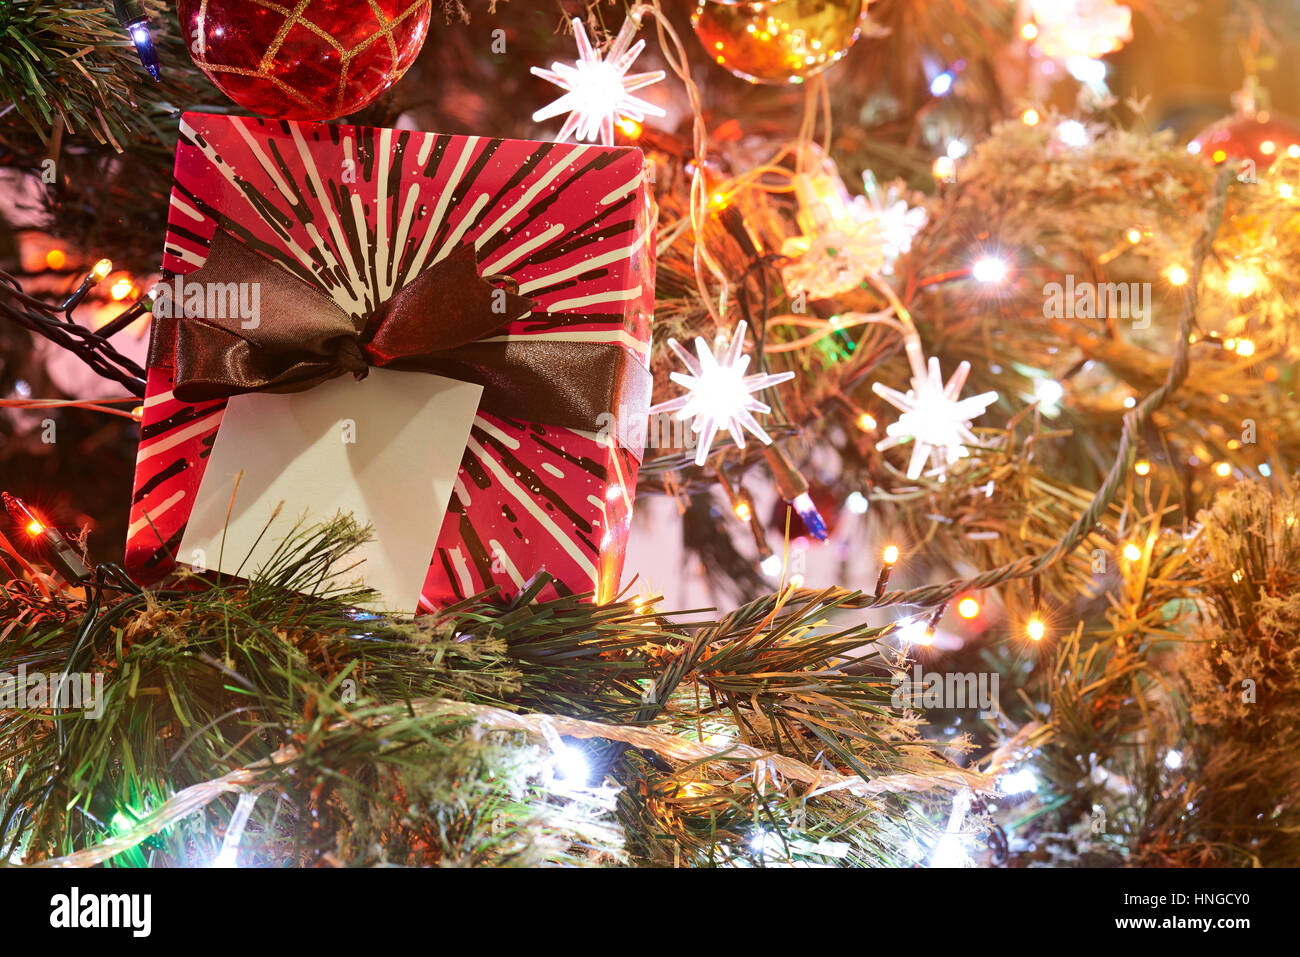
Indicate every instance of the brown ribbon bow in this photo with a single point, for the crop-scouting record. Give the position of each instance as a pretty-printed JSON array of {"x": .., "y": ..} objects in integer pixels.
[{"x": 432, "y": 324}]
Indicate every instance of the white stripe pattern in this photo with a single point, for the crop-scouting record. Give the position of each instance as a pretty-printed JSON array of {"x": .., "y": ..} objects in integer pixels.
[
  {"x": 204, "y": 424},
  {"x": 508, "y": 482},
  {"x": 140, "y": 524}
]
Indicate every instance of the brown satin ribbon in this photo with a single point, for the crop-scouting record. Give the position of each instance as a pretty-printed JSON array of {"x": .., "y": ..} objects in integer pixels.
[{"x": 432, "y": 324}]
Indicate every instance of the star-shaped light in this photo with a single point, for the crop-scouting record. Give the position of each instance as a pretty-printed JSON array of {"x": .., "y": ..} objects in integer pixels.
[
  {"x": 718, "y": 393},
  {"x": 895, "y": 220},
  {"x": 934, "y": 416},
  {"x": 599, "y": 90},
  {"x": 845, "y": 237}
]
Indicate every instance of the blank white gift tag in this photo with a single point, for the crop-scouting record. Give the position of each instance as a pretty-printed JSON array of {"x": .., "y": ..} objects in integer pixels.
[{"x": 385, "y": 449}]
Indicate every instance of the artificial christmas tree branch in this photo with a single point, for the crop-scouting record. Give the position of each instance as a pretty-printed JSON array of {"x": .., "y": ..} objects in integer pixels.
[
  {"x": 69, "y": 65},
  {"x": 545, "y": 727},
  {"x": 232, "y": 674}
]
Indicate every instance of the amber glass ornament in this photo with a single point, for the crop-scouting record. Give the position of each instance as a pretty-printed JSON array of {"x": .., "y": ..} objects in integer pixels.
[
  {"x": 307, "y": 61},
  {"x": 783, "y": 41}
]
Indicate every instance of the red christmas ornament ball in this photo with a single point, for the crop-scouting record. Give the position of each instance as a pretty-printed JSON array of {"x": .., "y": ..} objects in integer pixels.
[
  {"x": 310, "y": 61},
  {"x": 1262, "y": 138}
]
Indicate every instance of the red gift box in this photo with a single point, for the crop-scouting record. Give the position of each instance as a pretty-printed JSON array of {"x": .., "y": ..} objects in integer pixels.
[{"x": 354, "y": 211}]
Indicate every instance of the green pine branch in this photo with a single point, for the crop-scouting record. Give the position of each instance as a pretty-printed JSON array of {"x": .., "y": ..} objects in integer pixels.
[
  {"x": 364, "y": 726},
  {"x": 69, "y": 67}
]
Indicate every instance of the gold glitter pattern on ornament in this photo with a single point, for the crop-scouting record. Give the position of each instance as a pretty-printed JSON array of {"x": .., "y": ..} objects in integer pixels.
[
  {"x": 777, "y": 41},
  {"x": 295, "y": 16}
]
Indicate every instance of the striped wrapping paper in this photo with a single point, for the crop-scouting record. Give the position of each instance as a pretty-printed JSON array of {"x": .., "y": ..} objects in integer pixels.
[{"x": 357, "y": 211}]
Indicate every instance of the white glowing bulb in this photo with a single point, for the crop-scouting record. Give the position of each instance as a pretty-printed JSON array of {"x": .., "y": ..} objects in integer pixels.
[
  {"x": 950, "y": 851},
  {"x": 1018, "y": 782},
  {"x": 1049, "y": 393},
  {"x": 718, "y": 393},
  {"x": 1173, "y": 760},
  {"x": 599, "y": 90},
  {"x": 989, "y": 269},
  {"x": 917, "y": 632},
  {"x": 226, "y": 857},
  {"x": 772, "y": 566},
  {"x": 857, "y": 503},
  {"x": 1072, "y": 133},
  {"x": 1085, "y": 69},
  {"x": 937, "y": 421},
  {"x": 569, "y": 766}
]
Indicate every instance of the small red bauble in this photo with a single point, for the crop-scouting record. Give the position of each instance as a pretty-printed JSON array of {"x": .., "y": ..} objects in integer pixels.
[
  {"x": 1261, "y": 138},
  {"x": 314, "y": 60}
]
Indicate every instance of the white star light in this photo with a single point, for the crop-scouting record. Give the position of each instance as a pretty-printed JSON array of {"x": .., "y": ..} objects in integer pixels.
[
  {"x": 933, "y": 415},
  {"x": 845, "y": 237},
  {"x": 896, "y": 221},
  {"x": 599, "y": 90},
  {"x": 718, "y": 393}
]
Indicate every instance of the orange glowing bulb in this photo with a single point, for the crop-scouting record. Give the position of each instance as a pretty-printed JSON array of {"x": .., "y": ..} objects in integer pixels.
[
  {"x": 1241, "y": 284},
  {"x": 890, "y": 555},
  {"x": 1035, "y": 629},
  {"x": 1132, "y": 552},
  {"x": 35, "y": 528},
  {"x": 102, "y": 269},
  {"x": 56, "y": 259},
  {"x": 968, "y": 608},
  {"x": 121, "y": 289}
]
